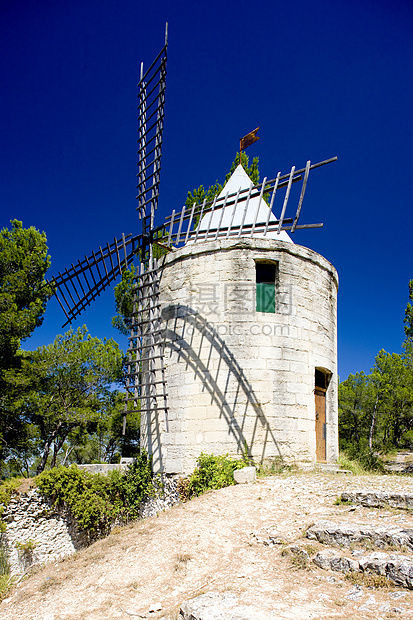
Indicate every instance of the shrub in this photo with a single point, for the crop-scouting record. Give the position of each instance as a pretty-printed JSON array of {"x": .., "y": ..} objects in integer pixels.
[
  {"x": 135, "y": 485},
  {"x": 4, "y": 561},
  {"x": 7, "y": 488},
  {"x": 361, "y": 462},
  {"x": 6, "y": 581},
  {"x": 213, "y": 472},
  {"x": 97, "y": 500},
  {"x": 183, "y": 488},
  {"x": 87, "y": 495},
  {"x": 26, "y": 547}
]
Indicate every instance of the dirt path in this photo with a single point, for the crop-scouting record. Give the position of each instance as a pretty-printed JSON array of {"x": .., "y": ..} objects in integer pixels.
[{"x": 207, "y": 544}]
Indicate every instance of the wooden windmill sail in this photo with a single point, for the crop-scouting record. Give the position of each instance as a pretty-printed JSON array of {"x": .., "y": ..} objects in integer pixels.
[{"x": 235, "y": 213}]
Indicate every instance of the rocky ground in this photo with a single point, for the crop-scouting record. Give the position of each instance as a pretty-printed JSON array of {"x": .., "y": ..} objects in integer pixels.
[{"x": 243, "y": 549}]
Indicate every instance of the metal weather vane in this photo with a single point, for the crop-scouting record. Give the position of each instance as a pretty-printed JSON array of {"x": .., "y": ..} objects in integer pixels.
[{"x": 247, "y": 140}]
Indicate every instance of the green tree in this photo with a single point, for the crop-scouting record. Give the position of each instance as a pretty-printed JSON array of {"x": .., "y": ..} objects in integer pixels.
[
  {"x": 124, "y": 293},
  {"x": 376, "y": 410},
  {"x": 393, "y": 381},
  {"x": 62, "y": 389},
  {"x": 106, "y": 444},
  {"x": 408, "y": 318},
  {"x": 23, "y": 296},
  {"x": 200, "y": 194},
  {"x": 23, "y": 289},
  {"x": 355, "y": 397}
]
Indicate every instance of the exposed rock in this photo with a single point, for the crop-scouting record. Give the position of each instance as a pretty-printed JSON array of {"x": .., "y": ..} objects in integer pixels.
[
  {"x": 39, "y": 532},
  {"x": 396, "y": 567},
  {"x": 344, "y": 534},
  {"x": 220, "y": 606},
  {"x": 379, "y": 499},
  {"x": 371, "y": 601},
  {"x": 268, "y": 536},
  {"x": 402, "y": 462},
  {"x": 300, "y": 555},
  {"x": 329, "y": 560},
  {"x": 103, "y": 468},
  {"x": 356, "y": 593},
  {"x": 245, "y": 475}
]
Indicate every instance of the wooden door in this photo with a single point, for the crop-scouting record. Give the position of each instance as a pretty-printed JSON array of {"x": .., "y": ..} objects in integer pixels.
[{"x": 320, "y": 424}]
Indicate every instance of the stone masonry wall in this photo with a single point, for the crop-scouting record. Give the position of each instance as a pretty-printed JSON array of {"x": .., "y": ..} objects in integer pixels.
[
  {"x": 240, "y": 379},
  {"x": 31, "y": 519}
]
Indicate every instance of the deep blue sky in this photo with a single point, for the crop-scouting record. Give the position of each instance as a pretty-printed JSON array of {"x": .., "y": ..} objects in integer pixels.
[{"x": 321, "y": 78}]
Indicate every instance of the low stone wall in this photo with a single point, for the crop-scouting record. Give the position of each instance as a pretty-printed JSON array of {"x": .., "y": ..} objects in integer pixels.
[
  {"x": 166, "y": 495},
  {"x": 38, "y": 532}
]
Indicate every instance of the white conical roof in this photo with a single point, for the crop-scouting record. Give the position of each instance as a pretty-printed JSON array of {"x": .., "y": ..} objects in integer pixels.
[{"x": 240, "y": 180}]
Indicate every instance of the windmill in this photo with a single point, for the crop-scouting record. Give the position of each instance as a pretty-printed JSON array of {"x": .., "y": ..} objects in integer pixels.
[{"x": 235, "y": 214}]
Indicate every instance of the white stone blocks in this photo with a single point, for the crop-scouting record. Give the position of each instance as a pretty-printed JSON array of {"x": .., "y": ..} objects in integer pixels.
[
  {"x": 280, "y": 397},
  {"x": 278, "y": 364},
  {"x": 226, "y": 361},
  {"x": 299, "y": 368},
  {"x": 297, "y": 354},
  {"x": 169, "y": 438},
  {"x": 306, "y": 400},
  {"x": 246, "y": 475}
]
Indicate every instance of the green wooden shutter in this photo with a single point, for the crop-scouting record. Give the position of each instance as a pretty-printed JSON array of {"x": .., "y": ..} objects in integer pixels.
[{"x": 265, "y": 297}]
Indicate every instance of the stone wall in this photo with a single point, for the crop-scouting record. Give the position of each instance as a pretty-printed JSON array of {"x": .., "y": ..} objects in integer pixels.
[
  {"x": 37, "y": 532},
  {"x": 240, "y": 379}
]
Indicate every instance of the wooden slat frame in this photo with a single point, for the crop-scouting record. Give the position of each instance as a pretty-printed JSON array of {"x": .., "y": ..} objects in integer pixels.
[
  {"x": 152, "y": 86},
  {"x": 70, "y": 281},
  {"x": 145, "y": 375},
  {"x": 188, "y": 226}
]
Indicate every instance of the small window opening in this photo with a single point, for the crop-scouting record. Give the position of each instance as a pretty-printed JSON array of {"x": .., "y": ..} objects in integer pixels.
[
  {"x": 322, "y": 379},
  {"x": 266, "y": 276}
]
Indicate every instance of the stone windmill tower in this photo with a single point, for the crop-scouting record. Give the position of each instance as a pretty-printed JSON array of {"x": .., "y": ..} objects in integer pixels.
[
  {"x": 232, "y": 347},
  {"x": 250, "y": 354}
]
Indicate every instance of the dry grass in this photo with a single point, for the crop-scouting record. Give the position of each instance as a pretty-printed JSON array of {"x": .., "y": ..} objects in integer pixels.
[
  {"x": 370, "y": 580},
  {"x": 182, "y": 560}
]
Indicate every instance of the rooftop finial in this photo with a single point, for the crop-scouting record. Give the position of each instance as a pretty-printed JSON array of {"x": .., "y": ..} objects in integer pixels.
[{"x": 247, "y": 140}]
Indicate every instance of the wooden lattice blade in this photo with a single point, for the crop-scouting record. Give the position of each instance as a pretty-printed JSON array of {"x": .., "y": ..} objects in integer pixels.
[
  {"x": 247, "y": 212},
  {"x": 152, "y": 86},
  {"x": 81, "y": 283}
]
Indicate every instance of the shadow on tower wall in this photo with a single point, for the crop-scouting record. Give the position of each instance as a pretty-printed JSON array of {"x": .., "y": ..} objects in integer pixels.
[{"x": 186, "y": 335}]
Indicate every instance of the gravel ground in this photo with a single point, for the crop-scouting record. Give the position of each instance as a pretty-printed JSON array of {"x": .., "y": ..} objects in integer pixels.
[{"x": 213, "y": 544}]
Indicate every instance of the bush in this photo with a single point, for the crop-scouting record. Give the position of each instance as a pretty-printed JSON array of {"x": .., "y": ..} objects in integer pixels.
[
  {"x": 135, "y": 485},
  {"x": 213, "y": 472},
  {"x": 183, "y": 488},
  {"x": 7, "y": 488},
  {"x": 361, "y": 462},
  {"x": 4, "y": 561},
  {"x": 6, "y": 581},
  {"x": 89, "y": 496},
  {"x": 406, "y": 441},
  {"x": 97, "y": 500}
]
